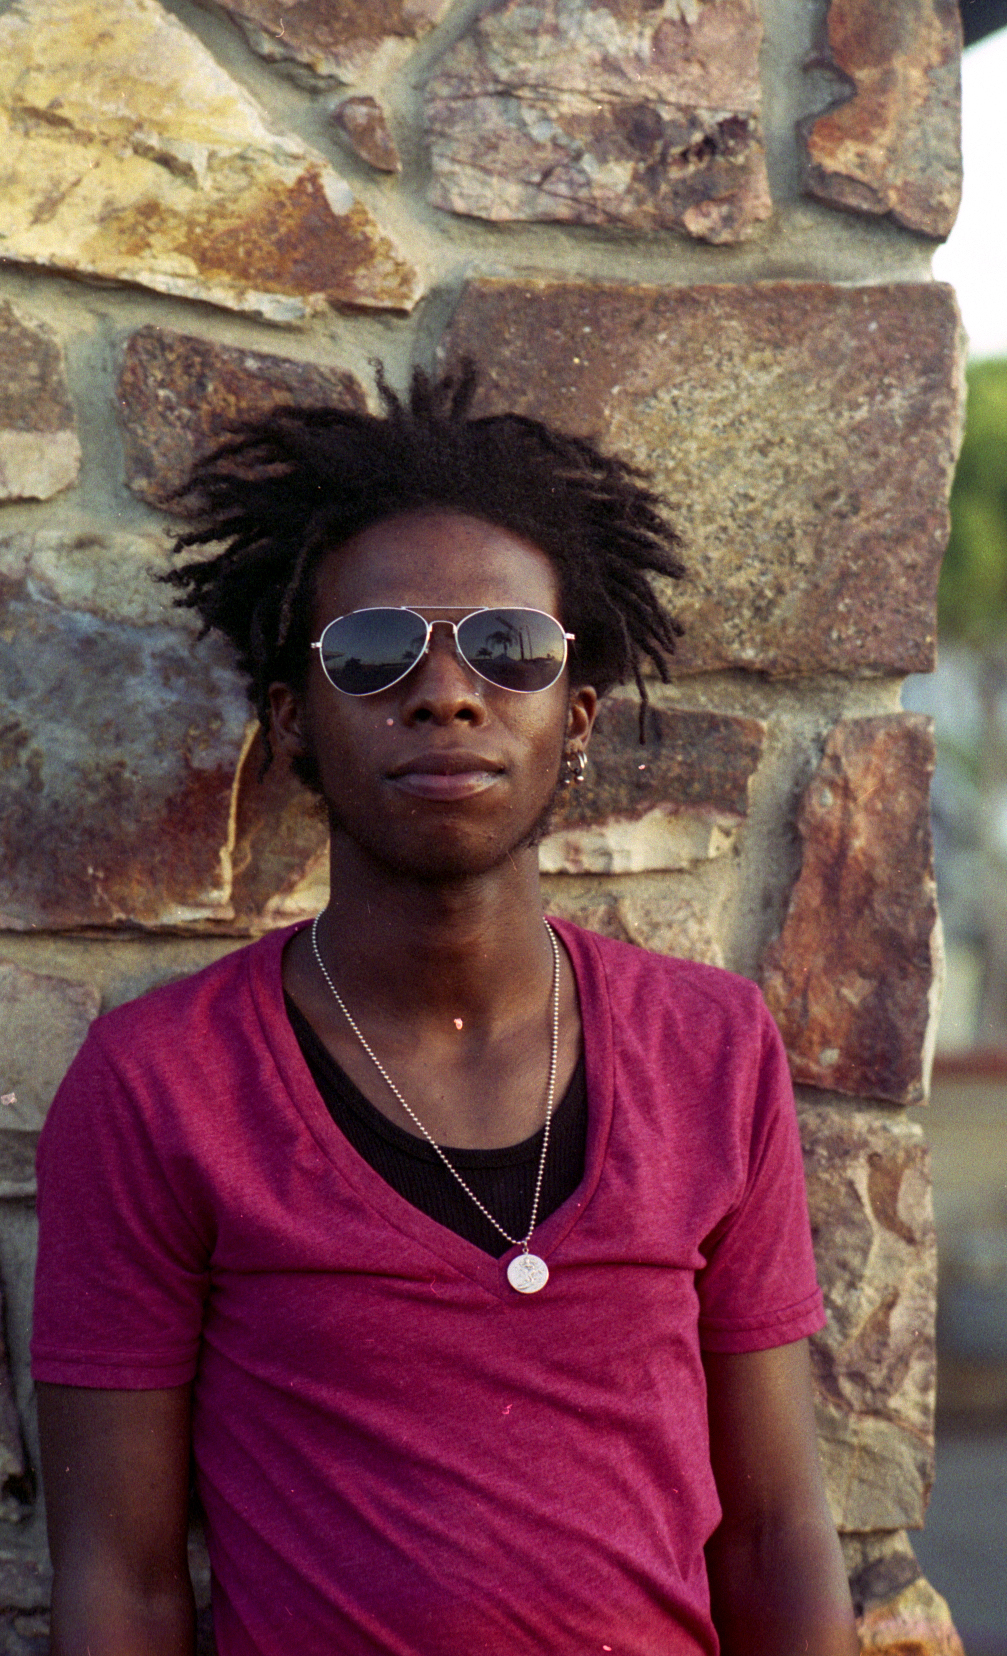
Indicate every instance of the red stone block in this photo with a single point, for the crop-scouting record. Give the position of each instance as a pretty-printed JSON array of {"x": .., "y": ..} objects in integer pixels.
[
  {"x": 851, "y": 977},
  {"x": 119, "y": 738},
  {"x": 604, "y": 113},
  {"x": 672, "y": 801},
  {"x": 39, "y": 450},
  {"x": 338, "y": 41},
  {"x": 363, "y": 121},
  {"x": 893, "y": 144},
  {"x": 689, "y": 760},
  {"x": 178, "y": 396},
  {"x": 804, "y": 436}
]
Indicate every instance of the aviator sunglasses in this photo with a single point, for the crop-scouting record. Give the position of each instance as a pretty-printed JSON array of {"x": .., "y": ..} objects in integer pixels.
[{"x": 371, "y": 649}]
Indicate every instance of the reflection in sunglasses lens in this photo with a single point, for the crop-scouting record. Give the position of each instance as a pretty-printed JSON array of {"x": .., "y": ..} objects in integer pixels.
[
  {"x": 368, "y": 651},
  {"x": 518, "y": 649}
]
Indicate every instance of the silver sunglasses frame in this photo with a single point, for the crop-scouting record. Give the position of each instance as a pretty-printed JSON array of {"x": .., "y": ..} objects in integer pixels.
[{"x": 477, "y": 609}]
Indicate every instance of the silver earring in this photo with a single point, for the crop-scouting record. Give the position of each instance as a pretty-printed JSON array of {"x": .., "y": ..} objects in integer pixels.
[{"x": 575, "y": 765}]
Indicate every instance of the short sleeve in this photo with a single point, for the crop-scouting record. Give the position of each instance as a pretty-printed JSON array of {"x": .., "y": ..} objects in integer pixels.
[
  {"x": 758, "y": 1287},
  {"x": 123, "y": 1260}
]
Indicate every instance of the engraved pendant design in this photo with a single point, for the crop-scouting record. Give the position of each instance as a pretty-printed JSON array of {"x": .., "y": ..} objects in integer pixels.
[{"x": 527, "y": 1273}]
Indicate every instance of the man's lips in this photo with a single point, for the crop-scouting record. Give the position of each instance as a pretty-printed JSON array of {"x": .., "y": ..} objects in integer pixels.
[
  {"x": 445, "y": 775},
  {"x": 445, "y": 764}
]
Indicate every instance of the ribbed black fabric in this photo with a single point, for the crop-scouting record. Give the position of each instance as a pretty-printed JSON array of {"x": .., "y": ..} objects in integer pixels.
[{"x": 503, "y": 1179}]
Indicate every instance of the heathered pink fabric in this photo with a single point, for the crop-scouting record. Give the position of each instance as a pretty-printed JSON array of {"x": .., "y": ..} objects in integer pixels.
[{"x": 398, "y": 1455}]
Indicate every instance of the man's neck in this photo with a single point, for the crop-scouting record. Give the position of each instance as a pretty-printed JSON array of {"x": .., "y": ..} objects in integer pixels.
[
  {"x": 452, "y": 982},
  {"x": 424, "y": 949}
]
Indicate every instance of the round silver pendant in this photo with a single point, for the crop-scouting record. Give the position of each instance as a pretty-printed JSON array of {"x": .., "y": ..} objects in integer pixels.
[{"x": 527, "y": 1273}]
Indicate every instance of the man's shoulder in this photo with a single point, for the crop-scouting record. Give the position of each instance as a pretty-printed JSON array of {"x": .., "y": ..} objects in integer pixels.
[
  {"x": 630, "y": 970},
  {"x": 210, "y": 1000},
  {"x": 183, "y": 1068}
]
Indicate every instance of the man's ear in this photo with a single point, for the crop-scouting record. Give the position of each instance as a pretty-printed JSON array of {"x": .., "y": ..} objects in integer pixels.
[
  {"x": 581, "y": 714},
  {"x": 287, "y": 720}
]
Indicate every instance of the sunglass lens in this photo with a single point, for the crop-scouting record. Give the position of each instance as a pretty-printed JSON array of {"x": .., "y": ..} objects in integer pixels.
[
  {"x": 518, "y": 649},
  {"x": 371, "y": 649}
]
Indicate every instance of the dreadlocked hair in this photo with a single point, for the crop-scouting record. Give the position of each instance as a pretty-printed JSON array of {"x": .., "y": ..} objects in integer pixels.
[{"x": 277, "y": 496}]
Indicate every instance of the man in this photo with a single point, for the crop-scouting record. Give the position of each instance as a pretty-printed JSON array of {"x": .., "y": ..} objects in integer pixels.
[{"x": 467, "y": 1252}]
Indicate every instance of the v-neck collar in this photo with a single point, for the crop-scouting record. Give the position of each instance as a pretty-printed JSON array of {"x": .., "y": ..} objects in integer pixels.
[{"x": 266, "y": 986}]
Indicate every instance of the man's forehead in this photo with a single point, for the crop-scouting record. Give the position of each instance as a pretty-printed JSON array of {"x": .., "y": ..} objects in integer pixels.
[{"x": 436, "y": 559}]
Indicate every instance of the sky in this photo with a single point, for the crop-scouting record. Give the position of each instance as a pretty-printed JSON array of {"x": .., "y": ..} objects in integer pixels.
[{"x": 974, "y": 258}]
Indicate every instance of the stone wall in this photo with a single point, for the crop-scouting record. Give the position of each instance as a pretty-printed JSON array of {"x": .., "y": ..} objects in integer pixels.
[{"x": 697, "y": 230}]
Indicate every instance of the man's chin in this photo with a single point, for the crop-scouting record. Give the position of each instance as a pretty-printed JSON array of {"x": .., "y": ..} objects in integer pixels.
[{"x": 446, "y": 857}]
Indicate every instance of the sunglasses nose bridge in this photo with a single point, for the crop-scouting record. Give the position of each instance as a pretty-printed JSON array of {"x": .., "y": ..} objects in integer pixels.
[
  {"x": 451, "y": 644},
  {"x": 442, "y": 621}
]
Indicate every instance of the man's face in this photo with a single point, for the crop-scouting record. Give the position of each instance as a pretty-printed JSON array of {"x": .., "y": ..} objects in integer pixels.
[{"x": 381, "y": 759}]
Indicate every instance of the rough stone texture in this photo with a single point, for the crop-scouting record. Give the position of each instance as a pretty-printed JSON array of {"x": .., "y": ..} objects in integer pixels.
[
  {"x": 678, "y": 799},
  {"x": 24, "y": 1633},
  {"x": 854, "y": 973},
  {"x": 874, "y": 1364},
  {"x": 894, "y": 145},
  {"x": 178, "y": 395},
  {"x": 338, "y": 42},
  {"x": 364, "y": 124},
  {"x": 878, "y": 1565},
  {"x": 916, "y": 1622},
  {"x": 618, "y": 112},
  {"x": 116, "y": 965},
  {"x": 653, "y": 914},
  {"x": 39, "y": 451},
  {"x": 43, "y": 1021},
  {"x": 155, "y": 167},
  {"x": 898, "y": 1613},
  {"x": 119, "y": 737},
  {"x": 25, "y": 1581},
  {"x": 17, "y": 1160},
  {"x": 15, "y": 1478},
  {"x": 769, "y": 415}
]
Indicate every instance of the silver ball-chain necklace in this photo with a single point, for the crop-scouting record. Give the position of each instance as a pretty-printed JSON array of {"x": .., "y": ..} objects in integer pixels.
[{"x": 527, "y": 1273}]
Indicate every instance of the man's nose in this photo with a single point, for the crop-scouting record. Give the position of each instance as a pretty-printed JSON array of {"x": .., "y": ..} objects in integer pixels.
[{"x": 442, "y": 686}]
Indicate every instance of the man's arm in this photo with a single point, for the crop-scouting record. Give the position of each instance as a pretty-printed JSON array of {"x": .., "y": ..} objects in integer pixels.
[
  {"x": 115, "y": 1468},
  {"x": 776, "y": 1569}
]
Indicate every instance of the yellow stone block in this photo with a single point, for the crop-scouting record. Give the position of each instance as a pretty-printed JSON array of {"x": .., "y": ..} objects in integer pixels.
[{"x": 155, "y": 167}]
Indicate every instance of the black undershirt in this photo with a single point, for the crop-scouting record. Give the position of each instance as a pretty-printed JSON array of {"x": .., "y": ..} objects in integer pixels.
[{"x": 503, "y": 1179}]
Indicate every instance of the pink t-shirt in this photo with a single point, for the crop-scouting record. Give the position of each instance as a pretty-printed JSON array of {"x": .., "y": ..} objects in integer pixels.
[{"x": 398, "y": 1454}]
